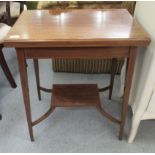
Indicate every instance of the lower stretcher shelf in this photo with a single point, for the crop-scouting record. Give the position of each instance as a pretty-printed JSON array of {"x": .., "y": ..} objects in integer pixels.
[{"x": 70, "y": 95}]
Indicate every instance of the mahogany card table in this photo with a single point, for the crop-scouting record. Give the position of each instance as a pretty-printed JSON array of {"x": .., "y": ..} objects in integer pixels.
[{"x": 76, "y": 34}]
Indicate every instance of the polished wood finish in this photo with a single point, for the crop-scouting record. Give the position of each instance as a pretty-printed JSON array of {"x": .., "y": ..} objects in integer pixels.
[
  {"x": 76, "y": 34},
  {"x": 78, "y": 52},
  {"x": 72, "y": 95},
  {"x": 36, "y": 69},
  {"x": 129, "y": 75},
  {"x": 78, "y": 95},
  {"x": 25, "y": 89},
  {"x": 45, "y": 89},
  {"x": 6, "y": 69},
  {"x": 74, "y": 28},
  {"x": 104, "y": 89},
  {"x": 113, "y": 70},
  {"x": 107, "y": 115},
  {"x": 75, "y": 95},
  {"x": 44, "y": 116}
]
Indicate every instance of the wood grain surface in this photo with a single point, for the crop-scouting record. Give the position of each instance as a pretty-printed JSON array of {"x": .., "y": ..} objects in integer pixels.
[
  {"x": 71, "y": 95},
  {"x": 68, "y": 28}
]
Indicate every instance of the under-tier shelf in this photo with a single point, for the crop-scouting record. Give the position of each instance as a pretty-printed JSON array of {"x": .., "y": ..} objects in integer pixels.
[{"x": 72, "y": 95}]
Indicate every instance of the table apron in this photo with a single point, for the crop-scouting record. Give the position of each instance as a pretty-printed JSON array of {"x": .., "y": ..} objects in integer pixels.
[{"x": 77, "y": 52}]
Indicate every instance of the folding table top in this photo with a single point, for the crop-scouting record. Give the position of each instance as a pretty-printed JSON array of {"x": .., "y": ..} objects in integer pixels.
[{"x": 86, "y": 27}]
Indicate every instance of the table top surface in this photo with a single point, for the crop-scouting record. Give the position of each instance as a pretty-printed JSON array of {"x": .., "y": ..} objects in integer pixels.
[{"x": 67, "y": 28}]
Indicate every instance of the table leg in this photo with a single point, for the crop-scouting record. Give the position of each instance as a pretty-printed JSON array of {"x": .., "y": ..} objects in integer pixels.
[
  {"x": 129, "y": 75},
  {"x": 113, "y": 71},
  {"x": 25, "y": 89},
  {"x": 36, "y": 69}
]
